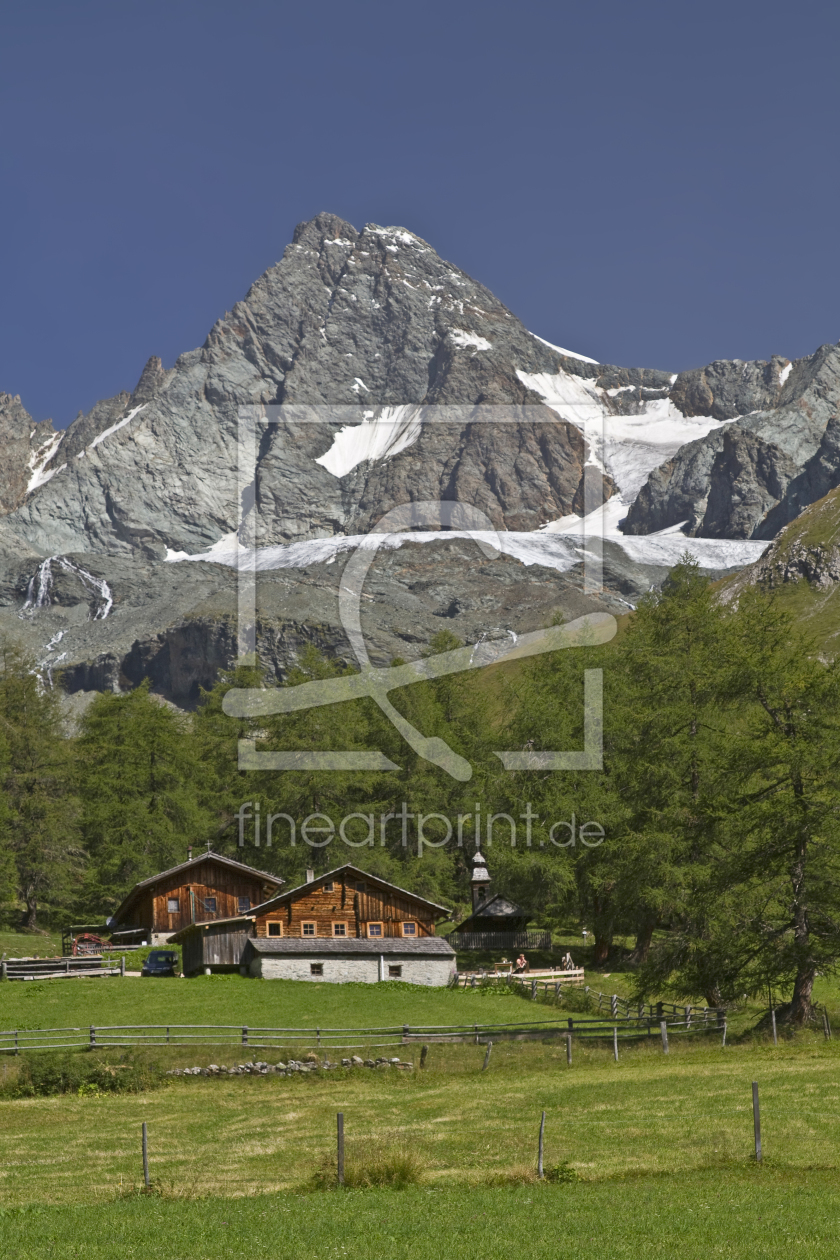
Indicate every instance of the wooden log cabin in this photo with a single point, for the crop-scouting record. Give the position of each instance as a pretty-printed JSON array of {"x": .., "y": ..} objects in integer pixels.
[
  {"x": 347, "y": 903},
  {"x": 343, "y": 925},
  {"x": 207, "y": 887}
]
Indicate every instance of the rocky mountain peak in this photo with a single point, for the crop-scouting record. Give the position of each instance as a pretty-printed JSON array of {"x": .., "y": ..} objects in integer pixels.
[
  {"x": 325, "y": 226},
  {"x": 152, "y": 380},
  {"x": 356, "y": 320},
  {"x": 119, "y": 543},
  {"x": 26, "y": 447}
]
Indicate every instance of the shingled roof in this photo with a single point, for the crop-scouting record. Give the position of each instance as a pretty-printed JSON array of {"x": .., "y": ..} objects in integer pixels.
[{"x": 306, "y": 946}]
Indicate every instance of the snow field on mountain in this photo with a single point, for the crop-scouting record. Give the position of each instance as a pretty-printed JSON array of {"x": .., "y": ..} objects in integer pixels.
[
  {"x": 628, "y": 448},
  {"x": 558, "y": 545}
]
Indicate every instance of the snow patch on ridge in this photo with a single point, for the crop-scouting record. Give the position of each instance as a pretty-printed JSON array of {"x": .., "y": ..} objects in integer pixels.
[
  {"x": 100, "y": 437},
  {"x": 39, "y": 459},
  {"x": 570, "y": 354},
  {"x": 380, "y": 437},
  {"x": 465, "y": 339},
  {"x": 785, "y": 373}
]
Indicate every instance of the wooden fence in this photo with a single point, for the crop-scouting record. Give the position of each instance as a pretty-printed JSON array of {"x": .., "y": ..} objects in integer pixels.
[
  {"x": 57, "y": 968},
  {"x": 499, "y": 940},
  {"x": 615, "y": 1007},
  {"x": 474, "y": 979},
  {"x": 257, "y": 1038}
]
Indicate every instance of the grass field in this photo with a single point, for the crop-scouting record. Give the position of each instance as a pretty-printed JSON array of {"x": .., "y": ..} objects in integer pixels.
[
  {"x": 735, "y": 1213},
  {"x": 647, "y": 1114},
  {"x": 233, "y": 1000},
  {"x": 25, "y": 944},
  {"x": 662, "y": 1147},
  {"x": 258, "y": 1003}
]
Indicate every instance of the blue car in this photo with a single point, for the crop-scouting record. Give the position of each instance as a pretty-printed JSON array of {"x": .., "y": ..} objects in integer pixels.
[{"x": 161, "y": 962}]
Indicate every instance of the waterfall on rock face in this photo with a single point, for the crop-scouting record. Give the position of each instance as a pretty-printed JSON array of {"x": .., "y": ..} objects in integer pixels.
[
  {"x": 98, "y": 585},
  {"x": 40, "y": 586},
  {"x": 38, "y": 590}
]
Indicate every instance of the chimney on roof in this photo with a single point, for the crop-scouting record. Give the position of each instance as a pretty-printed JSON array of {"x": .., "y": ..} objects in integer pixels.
[
  {"x": 310, "y": 875},
  {"x": 189, "y": 852}
]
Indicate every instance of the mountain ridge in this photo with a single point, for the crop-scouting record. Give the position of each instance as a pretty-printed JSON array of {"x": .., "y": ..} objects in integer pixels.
[{"x": 367, "y": 326}]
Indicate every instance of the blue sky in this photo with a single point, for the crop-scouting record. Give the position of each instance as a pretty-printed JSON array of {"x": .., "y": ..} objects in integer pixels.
[{"x": 650, "y": 184}]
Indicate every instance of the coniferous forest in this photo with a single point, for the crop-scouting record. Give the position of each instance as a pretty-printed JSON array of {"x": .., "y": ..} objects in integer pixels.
[{"x": 711, "y": 836}]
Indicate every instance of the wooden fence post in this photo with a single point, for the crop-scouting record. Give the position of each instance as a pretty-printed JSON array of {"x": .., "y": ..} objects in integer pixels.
[
  {"x": 756, "y": 1122},
  {"x": 663, "y": 1028},
  {"x": 569, "y": 1049},
  {"x": 146, "y": 1156},
  {"x": 533, "y": 988},
  {"x": 826, "y": 1025},
  {"x": 423, "y": 1053},
  {"x": 487, "y": 1056},
  {"x": 92, "y": 1035},
  {"x": 122, "y": 966},
  {"x": 615, "y": 1043},
  {"x": 4, "y": 970},
  {"x": 340, "y": 1147},
  {"x": 245, "y": 1035},
  {"x": 773, "y": 1023},
  {"x": 723, "y": 1040},
  {"x": 540, "y": 1151},
  {"x": 614, "y": 1005}
]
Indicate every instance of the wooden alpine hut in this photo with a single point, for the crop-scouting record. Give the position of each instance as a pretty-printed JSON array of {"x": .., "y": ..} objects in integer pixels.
[{"x": 210, "y": 886}]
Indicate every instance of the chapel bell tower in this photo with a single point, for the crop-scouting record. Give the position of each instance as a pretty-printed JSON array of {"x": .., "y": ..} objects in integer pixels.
[{"x": 479, "y": 881}]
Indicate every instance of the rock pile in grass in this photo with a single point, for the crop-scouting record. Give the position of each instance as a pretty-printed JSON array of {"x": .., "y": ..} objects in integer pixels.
[{"x": 310, "y": 1064}]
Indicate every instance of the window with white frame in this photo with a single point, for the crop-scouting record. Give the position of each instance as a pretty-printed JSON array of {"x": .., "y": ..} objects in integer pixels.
[{"x": 172, "y": 905}]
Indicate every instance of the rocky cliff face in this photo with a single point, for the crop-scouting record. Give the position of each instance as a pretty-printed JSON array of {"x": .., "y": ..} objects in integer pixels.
[
  {"x": 805, "y": 554},
  {"x": 27, "y": 449},
  {"x": 753, "y": 476}
]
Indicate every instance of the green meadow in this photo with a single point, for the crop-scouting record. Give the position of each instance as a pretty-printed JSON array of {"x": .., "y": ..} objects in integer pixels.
[
  {"x": 737, "y": 1212},
  {"x": 651, "y": 1153},
  {"x": 642, "y": 1156},
  {"x": 257, "y": 1003}
]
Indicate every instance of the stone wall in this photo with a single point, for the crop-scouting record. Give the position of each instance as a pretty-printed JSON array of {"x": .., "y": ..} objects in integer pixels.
[{"x": 421, "y": 970}]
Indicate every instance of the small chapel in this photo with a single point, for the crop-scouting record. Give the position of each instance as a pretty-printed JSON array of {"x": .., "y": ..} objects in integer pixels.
[{"x": 496, "y": 921}]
